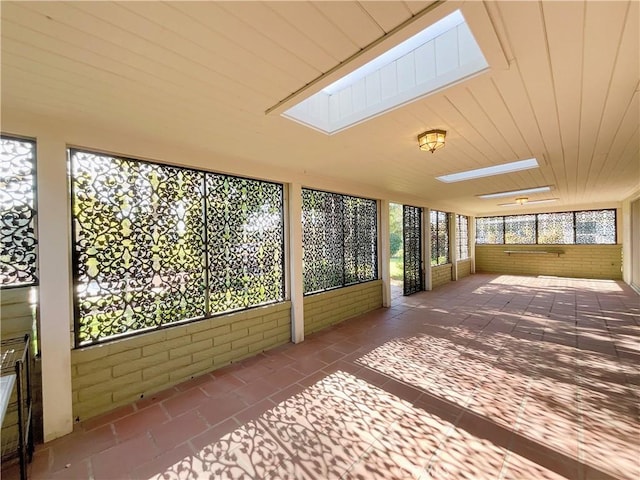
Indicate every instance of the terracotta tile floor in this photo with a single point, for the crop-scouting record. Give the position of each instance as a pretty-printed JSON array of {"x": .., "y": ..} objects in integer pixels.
[{"x": 491, "y": 377}]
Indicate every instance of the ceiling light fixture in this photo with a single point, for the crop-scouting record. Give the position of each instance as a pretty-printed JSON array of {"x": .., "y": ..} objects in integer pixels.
[
  {"x": 431, "y": 140},
  {"x": 489, "y": 171},
  {"x": 514, "y": 204},
  {"x": 515, "y": 192},
  {"x": 522, "y": 200}
]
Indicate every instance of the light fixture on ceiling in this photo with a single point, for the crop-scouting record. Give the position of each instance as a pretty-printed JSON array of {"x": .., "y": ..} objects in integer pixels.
[
  {"x": 514, "y": 204},
  {"x": 515, "y": 192},
  {"x": 431, "y": 140},
  {"x": 522, "y": 200}
]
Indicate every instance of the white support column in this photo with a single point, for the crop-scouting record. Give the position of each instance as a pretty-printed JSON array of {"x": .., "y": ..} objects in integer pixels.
[
  {"x": 296, "y": 281},
  {"x": 384, "y": 253},
  {"x": 453, "y": 246},
  {"x": 56, "y": 287},
  {"x": 427, "y": 249},
  {"x": 472, "y": 242}
]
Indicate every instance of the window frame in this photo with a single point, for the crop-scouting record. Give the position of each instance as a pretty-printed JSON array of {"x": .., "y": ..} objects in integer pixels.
[
  {"x": 437, "y": 237},
  {"x": 34, "y": 216},
  {"x": 459, "y": 242},
  {"x": 207, "y": 287},
  {"x": 375, "y": 243},
  {"x": 573, "y": 214}
]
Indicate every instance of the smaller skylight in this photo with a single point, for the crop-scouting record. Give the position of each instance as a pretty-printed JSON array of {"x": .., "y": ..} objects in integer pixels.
[
  {"x": 530, "y": 202},
  {"x": 490, "y": 171},
  {"x": 516, "y": 192}
]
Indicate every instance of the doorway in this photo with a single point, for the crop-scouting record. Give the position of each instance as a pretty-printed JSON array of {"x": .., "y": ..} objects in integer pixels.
[{"x": 406, "y": 252}]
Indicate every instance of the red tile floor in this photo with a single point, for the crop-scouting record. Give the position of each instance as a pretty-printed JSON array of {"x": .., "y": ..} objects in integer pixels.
[{"x": 491, "y": 377}]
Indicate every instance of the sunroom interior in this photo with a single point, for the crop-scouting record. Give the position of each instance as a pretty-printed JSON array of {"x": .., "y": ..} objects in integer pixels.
[{"x": 196, "y": 197}]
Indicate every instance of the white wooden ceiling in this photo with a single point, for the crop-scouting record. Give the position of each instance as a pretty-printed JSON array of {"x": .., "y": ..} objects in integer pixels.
[{"x": 204, "y": 73}]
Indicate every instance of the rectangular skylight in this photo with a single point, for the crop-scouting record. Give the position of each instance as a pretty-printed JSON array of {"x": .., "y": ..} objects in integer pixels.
[
  {"x": 516, "y": 192},
  {"x": 547, "y": 200},
  {"x": 433, "y": 31},
  {"x": 443, "y": 53},
  {"x": 490, "y": 171}
]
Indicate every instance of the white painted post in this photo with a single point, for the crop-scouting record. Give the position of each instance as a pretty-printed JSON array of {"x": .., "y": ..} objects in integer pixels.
[
  {"x": 453, "y": 246},
  {"x": 296, "y": 284},
  {"x": 472, "y": 242},
  {"x": 427, "y": 249},
  {"x": 56, "y": 287},
  {"x": 384, "y": 253}
]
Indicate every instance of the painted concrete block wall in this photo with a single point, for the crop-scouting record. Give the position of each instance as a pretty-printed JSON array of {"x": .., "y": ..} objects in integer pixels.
[
  {"x": 577, "y": 261},
  {"x": 16, "y": 319},
  {"x": 16, "y": 312},
  {"x": 440, "y": 275},
  {"x": 120, "y": 372},
  {"x": 464, "y": 268},
  {"x": 328, "y": 308}
]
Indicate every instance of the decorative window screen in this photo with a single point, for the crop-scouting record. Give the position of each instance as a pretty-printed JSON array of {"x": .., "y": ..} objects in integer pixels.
[
  {"x": 583, "y": 227},
  {"x": 490, "y": 230},
  {"x": 339, "y": 240},
  {"x": 439, "y": 238},
  {"x": 18, "y": 238},
  {"x": 463, "y": 236},
  {"x": 155, "y": 245},
  {"x": 596, "y": 227},
  {"x": 555, "y": 228},
  {"x": 520, "y": 229}
]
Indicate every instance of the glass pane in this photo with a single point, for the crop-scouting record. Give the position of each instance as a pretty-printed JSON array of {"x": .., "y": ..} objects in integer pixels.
[
  {"x": 433, "y": 221},
  {"x": 443, "y": 238},
  {"x": 322, "y": 240},
  {"x": 463, "y": 236},
  {"x": 520, "y": 229},
  {"x": 139, "y": 245},
  {"x": 367, "y": 240},
  {"x": 439, "y": 237},
  {"x": 596, "y": 227},
  {"x": 18, "y": 242},
  {"x": 339, "y": 240},
  {"x": 489, "y": 230},
  {"x": 555, "y": 228},
  {"x": 245, "y": 249}
]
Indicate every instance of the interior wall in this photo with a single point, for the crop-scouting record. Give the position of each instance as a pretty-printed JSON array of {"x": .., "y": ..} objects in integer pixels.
[
  {"x": 441, "y": 274},
  {"x": 121, "y": 372},
  {"x": 577, "y": 261},
  {"x": 324, "y": 309},
  {"x": 18, "y": 307},
  {"x": 634, "y": 238},
  {"x": 18, "y": 311},
  {"x": 464, "y": 268}
]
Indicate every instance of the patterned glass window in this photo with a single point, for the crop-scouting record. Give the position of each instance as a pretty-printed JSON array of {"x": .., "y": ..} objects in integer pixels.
[
  {"x": 339, "y": 240},
  {"x": 489, "y": 230},
  {"x": 18, "y": 250},
  {"x": 463, "y": 236},
  {"x": 155, "y": 245},
  {"x": 596, "y": 227},
  {"x": 520, "y": 229},
  {"x": 439, "y": 238},
  {"x": 555, "y": 228}
]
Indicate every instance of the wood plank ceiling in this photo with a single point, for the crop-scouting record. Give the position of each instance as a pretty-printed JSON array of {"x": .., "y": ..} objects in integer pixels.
[{"x": 204, "y": 73}]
